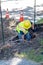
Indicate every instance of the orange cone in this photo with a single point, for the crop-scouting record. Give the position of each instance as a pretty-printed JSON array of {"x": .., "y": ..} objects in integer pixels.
[
  {"x": 21, "y": 18},
  {"x": 7, "y": 14}
]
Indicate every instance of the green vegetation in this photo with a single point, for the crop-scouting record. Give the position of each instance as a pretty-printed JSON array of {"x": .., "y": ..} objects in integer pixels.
[
  {"x": 32, "y": 56},
  {"x": 41, "y": 41},
  {"x": 39, "y": 21}
]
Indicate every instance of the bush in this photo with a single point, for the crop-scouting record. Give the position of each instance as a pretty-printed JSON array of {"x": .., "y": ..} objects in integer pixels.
[{"x": 39, "y": 21}]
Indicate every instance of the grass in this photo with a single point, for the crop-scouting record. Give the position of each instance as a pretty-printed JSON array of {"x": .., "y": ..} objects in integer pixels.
[
  {"x": 39, "y": 21},
  {"x": 41, "y": 41},
  {"x": 31, "y": 56}
]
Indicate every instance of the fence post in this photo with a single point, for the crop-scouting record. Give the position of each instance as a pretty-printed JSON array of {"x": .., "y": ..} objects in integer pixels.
[
  {"x": 2, "y": 24},
  {"x": 34, "y": 12}
]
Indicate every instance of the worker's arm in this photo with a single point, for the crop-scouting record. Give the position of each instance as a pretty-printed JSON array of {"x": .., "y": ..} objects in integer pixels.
[{"x": 23, "y": 29}]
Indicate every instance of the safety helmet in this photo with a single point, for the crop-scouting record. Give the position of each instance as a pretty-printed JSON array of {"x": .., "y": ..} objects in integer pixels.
[{"x": 27, "y": 24}]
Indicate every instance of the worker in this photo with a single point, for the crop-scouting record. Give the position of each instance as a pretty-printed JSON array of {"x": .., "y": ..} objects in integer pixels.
[{"x": 22, "y": 29}]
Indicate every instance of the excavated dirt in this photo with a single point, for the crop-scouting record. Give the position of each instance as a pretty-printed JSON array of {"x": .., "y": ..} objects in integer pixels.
[{"x": 12, "y": 44}]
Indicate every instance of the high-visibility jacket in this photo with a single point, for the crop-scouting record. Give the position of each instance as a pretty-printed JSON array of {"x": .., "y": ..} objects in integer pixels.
[{"x": 20, "y": 27}]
